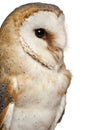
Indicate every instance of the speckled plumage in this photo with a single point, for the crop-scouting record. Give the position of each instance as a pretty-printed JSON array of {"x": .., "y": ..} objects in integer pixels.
[{"x": 33, "y": 76}]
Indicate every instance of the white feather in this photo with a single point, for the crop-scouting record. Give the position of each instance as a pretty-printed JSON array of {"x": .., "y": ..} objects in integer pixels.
[{"x": 9, "y": 115}]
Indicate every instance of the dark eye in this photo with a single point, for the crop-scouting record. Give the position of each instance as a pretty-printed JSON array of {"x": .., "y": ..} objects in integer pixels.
[{"x": 40, "y": 32}]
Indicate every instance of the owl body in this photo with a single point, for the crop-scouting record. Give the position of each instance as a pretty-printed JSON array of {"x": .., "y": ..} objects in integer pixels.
[
  {"x": 33, "y": 76},
  {"x": 39, "y": 102}
]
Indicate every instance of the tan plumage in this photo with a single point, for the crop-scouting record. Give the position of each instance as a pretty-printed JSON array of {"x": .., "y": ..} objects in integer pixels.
[{"x": 33, "y": 76}]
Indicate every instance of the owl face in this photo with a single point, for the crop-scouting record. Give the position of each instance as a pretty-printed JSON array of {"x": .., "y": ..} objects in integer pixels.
[
  {"x": 34, "y": 31},
  {"x": 44, "y": 33}
]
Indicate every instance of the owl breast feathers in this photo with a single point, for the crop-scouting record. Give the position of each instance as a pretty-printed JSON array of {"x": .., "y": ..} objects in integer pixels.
[{"x": 33, "y": 76}]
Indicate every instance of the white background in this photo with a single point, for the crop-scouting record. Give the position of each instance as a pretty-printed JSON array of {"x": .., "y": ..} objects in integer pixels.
[{"x": 76, "y": 58}]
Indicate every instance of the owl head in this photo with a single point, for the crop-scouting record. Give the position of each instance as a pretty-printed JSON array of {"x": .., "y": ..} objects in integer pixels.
[{"x": 36, "y": 30}]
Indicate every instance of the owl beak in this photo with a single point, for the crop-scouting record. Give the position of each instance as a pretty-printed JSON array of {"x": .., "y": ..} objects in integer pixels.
[{"x": 57, "y": 53}]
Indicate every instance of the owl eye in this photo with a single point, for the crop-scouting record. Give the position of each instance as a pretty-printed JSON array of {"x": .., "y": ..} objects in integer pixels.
[{"x": 40, "y": 32}]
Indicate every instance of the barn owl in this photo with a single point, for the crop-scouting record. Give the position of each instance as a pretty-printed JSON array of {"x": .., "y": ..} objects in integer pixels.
[{"x": 33, "y": 76}]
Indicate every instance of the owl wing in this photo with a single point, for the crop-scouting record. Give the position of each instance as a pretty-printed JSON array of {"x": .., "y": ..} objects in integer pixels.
[
  {"x": 7, "y": 100},
  {"x": 60, "y": 112}
]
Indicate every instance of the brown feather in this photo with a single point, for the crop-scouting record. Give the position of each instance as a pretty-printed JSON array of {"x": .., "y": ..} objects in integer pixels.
[{"x": 7, "y": 96}]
